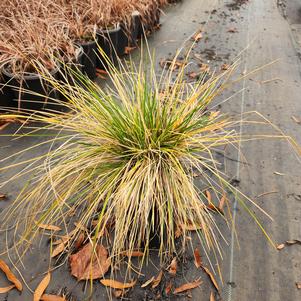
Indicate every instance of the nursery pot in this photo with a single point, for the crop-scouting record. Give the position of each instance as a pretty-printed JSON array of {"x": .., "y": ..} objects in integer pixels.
[
  {"x": 112, "y": 42},
  {"x": 75, "y": 64},
  {"x": 26, "y": 86},
  {"x": 6, "y": 95},
  {"x": 137, "y": 28},
  {"x": 89, "y": 58}
]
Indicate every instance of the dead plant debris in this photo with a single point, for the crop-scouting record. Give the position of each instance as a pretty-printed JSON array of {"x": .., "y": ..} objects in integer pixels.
[
  {"x": 117, "y": 284},
  {"x": 197, "y": 258},
  {"x": 158, "y": 279},
  {"x": 173, "y": 267},
  {"x": 10, "y": 276},
  {"x": 38, "y": 293},
  {"x": 187, "y": 286},
  {"x": 288, "y": 243},
  {"x": 47, "y": 297},
  {"x": 212, "y": 278},
  {"x": 89, "y": 263}
]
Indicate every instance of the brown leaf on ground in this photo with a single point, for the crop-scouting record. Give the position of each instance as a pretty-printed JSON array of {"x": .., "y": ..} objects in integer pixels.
[
  {"x": 288, "y": 243},
  {"x": 10, "y": 275},
  {"x": 119, "y": 293},
  {"x": 173, "y": 267},
  {"x": 6, "y": 289},
  {"x": 193, "y": 75},
  {"x": 204, "y": 68},
  {"x": 47, "y": 297},
  {"x": 297, "y": 120},
  {"x": 168, "y": 288},
  {"x": 233, "y": 30},
  {"x": 280, "y": 246},
  {"x": 41, "y": 288},
  {"x": 215, "y": 209},
  {"x": 293, "y": 242},
  {"x": 58, "y": 249},
  {"x": 173, "y": 64},
  {"x": 187, "y": 286},
  {"x": 178, "y": 232},
  {"x": 79, "y": 241},
  {"x": 225, "y": 67},
  {"x": 208, "y": 196},
  {"x": 116, "y": 284},
  {"x": 197, "y": 258},
  {"x": 87, "y": 264},
  {"x": 211, "y": 277},
  {"x": 101, "y": 71},
  {"x": 157, "y": 280},
  {"x": 132, "y": 253},
  {"x": 148, "y": 282},
  {"x": 2, "y": 196},
  {"x": 298, "y": 284},
  {"x": 212, "y": 298},
  {"x": 222, "y": 203},
  {"x": 128, "y": 50},
  {"x": 197, "y": 36},
  {"x": 49, "y": 227},
  {"x": 190, "y": 227}
]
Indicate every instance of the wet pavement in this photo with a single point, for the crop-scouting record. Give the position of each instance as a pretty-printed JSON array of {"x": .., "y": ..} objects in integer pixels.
[{"x": 258, "y": 33}]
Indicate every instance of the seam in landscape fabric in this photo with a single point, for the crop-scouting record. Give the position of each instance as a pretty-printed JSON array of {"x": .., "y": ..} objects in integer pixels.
[{"x": 232, "y": 255}]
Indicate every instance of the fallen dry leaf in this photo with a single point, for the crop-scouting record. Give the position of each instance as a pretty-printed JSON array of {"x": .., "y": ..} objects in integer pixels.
[
  {"x": 197, "y": 37},
  {"x": 279, "y": 173},
  {"x": 86, "y": 264},
  {"x": 116, "y": 284},
  {"x": 212, "y": 298},
  {"x": 191, "y": 227},
  {"x": 197, "y": 258},
  {"x": 293, "y": 242},
  {"x": 297, "y": 120},
  {"x": 58, "y": 249},
  {"x": 118, "y": 293},
  {"x": 2, "y": 196},
  {"x": 232, "y": 30},
  {"x": 157, "y": 280},
  {"x": 187, "y": 286},
  {"x": 6, "y": 289},
  {"x": 214, "y": 208},
  {"x": 222, "y": 203},
  {"x": 79, "y": 241},
  {"x": 298, "y": 284},
  {"x": 288, "y": 243},
  {"x": 47, "y": 297},
  {"x": 225, "y": 67},
  {"x": 204, "y": 68},
  {"x": 128, "y": 50},
  {"x": 208, "y": 196},
  {"x": 132, "y": 254},
  {"x": 10, "y": 275},
  {"x": 101, "y": 71},
  {"x": 49, "y": 227},
  {"x": 41, "y": 288},
  {"x": 280, "y": 246},
  {"x": 168, "y": 288},
  {"x": 148, "y": 282},
  {"x": 173, "y": 267},
  {"x": 193, "y": 75},
  {"x": 211, "y": 277}
]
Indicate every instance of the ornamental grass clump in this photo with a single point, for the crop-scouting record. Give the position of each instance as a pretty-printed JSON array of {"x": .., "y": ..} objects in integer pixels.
[{"x": 124, "y": 161}]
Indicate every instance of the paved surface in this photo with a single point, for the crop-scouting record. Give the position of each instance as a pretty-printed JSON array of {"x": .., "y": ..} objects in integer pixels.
[{"x": 254, "y": 270}]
